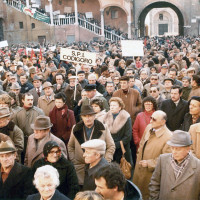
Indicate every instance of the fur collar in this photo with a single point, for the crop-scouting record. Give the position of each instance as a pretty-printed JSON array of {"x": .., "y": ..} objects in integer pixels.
[
  {"x": 79, "y": 135},
  {"x": 114, "y": 125}
]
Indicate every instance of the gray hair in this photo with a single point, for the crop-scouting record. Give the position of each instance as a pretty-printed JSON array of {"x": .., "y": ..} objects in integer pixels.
[
  {"x": 92, "y": 76},
  {"x": 46, "y": 171}
]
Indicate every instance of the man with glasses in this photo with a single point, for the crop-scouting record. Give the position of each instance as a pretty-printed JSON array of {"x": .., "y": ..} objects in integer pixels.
[
  {"x": 155, "y": 93},
  {"x": 154, "y": 80},
  {"x": 152, "y": 144}
]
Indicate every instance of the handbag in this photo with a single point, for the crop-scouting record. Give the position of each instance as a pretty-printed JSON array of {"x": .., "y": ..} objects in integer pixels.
[{"x": 125, "y": 166}]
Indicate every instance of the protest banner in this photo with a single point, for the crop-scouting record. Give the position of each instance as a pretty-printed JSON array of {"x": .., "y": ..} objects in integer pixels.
[
  {"x": 77, "y": 56},
  {"x": 132, "y": 48},
  {"x": 3, "y": 43}
]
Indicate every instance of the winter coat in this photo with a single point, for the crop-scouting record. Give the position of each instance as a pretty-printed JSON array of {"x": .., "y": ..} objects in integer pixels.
[
  {"x": 164, "y": 186},
  {"x": 18, "y": 185},
  {"x": 195, "y": 136},
  {"x": 131, "y": 191},
  {"x": 46, "y": 105},
  {"x": 132, "y": 101},
  {"x": 78, "y": 137},
  {"x": 194, "y": 92},
  {"x": 62, "y": 89},
  {"x": 57, "y": 196},
  {"x": 26, "y": 87},
  {"x": 35, "y": 95},
  {"x": 141, "y": 122},
  {"x": 150, "y": 148},
  {"x": 34, "y": 153},
  {"x": 121, "y": 130},
  {"x": 100, "y": 116},
  {"x": 63, "y": 120},
  {"x": 187, "y": 122},
  {"x": 186, "y": 92},
  {"x": 67, "y": 175},
  {"x": 24, "y": 118},
  {"x": 175, "y": 114},
  {"x": 69, "y": 92},
  {"x": 89, "y": 183}
]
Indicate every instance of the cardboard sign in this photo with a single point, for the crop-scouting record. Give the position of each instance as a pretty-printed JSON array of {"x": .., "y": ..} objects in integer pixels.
[
  {"x": 77, "y": 56},
  {"x": 132, "y": 47},
  {"x": 3, "y": 43}
]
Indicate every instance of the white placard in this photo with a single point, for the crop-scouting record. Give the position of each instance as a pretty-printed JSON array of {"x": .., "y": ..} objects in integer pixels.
[
  {"x": 76, "y": 56},
  {"x": 4, "y": 43},
  {"x": 132, "y": 48},
  {"x": 193, "y": 20},
  {"x": 89, "y": 15},
  {"x": 53, "y": 48},
  {"x": 57, "y": 12},
  {"x": 35, "y": 6}
]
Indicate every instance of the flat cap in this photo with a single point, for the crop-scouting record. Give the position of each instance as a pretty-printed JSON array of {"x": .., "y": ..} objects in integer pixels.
[{"x": 97, "y": 144}]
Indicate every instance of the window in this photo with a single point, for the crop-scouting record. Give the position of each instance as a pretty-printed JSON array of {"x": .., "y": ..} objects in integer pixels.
[
  {"x": 33, "y": 25},
  {"x": 160, "y": 17},
  {"x": 21, "y": 25},
  {"x": 114, "y": 14}
]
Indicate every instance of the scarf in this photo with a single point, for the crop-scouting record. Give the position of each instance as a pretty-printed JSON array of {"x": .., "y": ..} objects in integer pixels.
[{"x": 6, "y": 129}]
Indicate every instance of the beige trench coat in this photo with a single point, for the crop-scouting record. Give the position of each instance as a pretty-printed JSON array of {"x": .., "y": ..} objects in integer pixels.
[
  {"x": 151, "y": 146},
  {"x": 195, "y": 136}
]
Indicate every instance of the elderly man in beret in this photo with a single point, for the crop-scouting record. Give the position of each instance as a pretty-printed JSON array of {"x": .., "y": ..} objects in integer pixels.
[
  {"x": 177, "y": 174},
  {"x": 37, "y": 90},
  {"x": 86, "y": 130},
  {"x": 39, "y": 138},
  {"x": 93, "y": 93},
  {"x": 94, "y": 158},
  {"x": 16, "y": 179},
  {"x": 47, "y": 101}
]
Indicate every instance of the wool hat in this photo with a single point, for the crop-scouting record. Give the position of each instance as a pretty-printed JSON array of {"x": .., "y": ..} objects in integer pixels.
[
  {"x": 97, "y": 144},
  {"x": 81, "y": 72},
  {"x": 7, "y": 147},
  {"x": 87, "y": 110},
  {"x": 48, "y": 146},
  {"x": 180, "y": 139},
  {"x": 41, "y": 123},
  {"x": 72, "y": 77},
  {"x": 169, "y": 79}
]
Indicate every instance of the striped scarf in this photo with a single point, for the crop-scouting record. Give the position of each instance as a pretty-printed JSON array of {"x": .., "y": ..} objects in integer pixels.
[{"x": 179, "y": 167}]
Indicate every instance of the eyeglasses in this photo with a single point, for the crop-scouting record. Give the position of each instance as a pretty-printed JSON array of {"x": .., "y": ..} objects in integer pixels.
[
  {"x": 153, "y": 119},
  {"x": 55, "y": 152},
  {"x": 153, "y": 91},
  {"x": 154, "y": 79}
]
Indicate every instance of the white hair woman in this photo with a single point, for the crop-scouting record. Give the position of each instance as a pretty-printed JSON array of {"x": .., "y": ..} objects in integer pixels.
[{"x": 46, "y": 180}]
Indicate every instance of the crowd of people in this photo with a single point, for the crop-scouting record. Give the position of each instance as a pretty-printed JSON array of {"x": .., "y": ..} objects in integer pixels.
[{"x": 65, "y": 127}]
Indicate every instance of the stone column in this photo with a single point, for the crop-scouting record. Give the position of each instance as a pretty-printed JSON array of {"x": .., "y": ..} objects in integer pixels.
[
  {"x": 51, "y": 11},
  {"x": 76, "y": 12},
  {"x": 102, "y": 22}
]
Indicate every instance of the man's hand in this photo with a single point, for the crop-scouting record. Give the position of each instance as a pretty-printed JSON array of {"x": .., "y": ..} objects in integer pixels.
[{"x": 143, "y": 163}]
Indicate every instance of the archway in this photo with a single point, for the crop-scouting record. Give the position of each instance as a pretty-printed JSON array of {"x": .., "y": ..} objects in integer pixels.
[
  {"x": 116, "y": 17},
  {"x": 160, "y": 4}
]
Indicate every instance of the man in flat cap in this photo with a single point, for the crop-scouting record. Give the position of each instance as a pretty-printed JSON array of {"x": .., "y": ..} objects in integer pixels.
[
  {"x": 39, "y": 138},
  {"x": 93, "y": 93},
  {"x": 94, "y": 151},
  {"x": 37, "y": 90},
  {"x": 86, "y": 130},
  {"x": 16, "y": 179},
  {"x": 47, "y": 101},
  {"x": 194, "y": 62},
  {"x": 81, "y": 78},
  {"x": 177, "y": 174}
]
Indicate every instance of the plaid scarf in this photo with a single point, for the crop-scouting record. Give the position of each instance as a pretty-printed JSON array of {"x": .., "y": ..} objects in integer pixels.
[{"x": 179, "y": 167}]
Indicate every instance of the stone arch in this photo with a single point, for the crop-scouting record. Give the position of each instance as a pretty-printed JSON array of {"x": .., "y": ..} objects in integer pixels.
[
  {"x": 117, "y": 5},
  {"x": 160, "y": 4}
]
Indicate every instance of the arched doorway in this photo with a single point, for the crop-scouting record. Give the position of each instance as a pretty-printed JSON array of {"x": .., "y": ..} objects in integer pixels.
[
  {"x": 115, "y": 17},
  {"x": 160, "y": 4}
]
